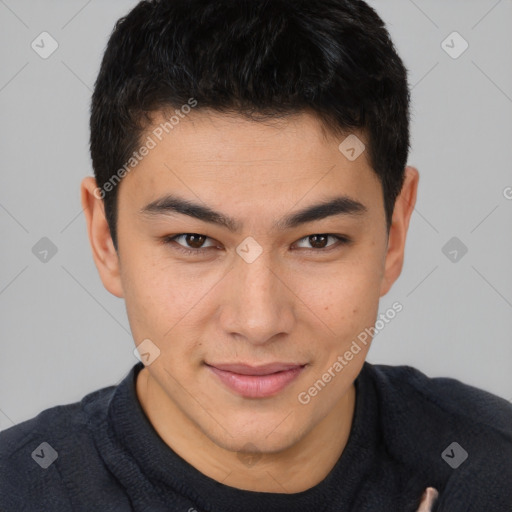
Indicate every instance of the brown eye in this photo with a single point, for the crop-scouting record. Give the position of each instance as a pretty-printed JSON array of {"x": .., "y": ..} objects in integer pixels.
[
  {"x": 193, "y": 243},
  {"x": 318, "y": 242}
]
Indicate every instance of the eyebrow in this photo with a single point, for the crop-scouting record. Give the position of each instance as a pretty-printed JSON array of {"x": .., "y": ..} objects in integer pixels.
[{"x": 171, "y": 204}]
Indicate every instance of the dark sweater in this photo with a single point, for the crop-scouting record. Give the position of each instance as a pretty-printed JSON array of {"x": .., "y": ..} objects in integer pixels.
[{"x": 109, "y": 457}]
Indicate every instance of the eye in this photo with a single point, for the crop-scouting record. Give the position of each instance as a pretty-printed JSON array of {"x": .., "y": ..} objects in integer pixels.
[
  {"x": 319, "y": 241},
  {"x": 193, "y": 243},
  {"x": 195, "y": 240}
]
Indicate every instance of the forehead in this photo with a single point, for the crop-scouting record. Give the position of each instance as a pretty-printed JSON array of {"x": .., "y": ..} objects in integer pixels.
[
  {"x": 234, "y": 135},
  {"x": 210, "y": 155}
]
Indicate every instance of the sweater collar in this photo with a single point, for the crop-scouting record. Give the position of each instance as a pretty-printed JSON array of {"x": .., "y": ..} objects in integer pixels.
[{"x": 146, "y": 466}]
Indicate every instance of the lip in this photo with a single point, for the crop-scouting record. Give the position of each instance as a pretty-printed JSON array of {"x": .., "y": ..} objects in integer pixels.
[{"x": 256, "y": 381}]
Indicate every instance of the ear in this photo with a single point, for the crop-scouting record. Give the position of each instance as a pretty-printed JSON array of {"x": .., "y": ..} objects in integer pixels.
[
  {"x": 103, "y": 251},
  {"x": 402, "y": 212}
]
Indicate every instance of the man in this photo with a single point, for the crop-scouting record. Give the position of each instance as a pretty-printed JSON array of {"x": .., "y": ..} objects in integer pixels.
[{"x": 251, "y": 202}]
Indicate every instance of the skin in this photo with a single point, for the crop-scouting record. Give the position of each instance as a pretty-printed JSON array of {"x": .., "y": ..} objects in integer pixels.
[{"x": 294, "y": 303}]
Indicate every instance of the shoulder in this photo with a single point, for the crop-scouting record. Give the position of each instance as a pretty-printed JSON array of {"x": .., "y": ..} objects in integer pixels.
[
  {"x": 405, "y": 387},
  {"x": 37, "y": 455},
  {"x": 456, "y": 436}
]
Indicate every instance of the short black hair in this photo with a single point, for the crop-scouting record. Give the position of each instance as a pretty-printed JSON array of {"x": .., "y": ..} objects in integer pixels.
[{"x": 256, "y": 58}]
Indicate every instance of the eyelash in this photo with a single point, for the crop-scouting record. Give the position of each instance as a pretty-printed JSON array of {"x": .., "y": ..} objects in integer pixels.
[{"x": 342, "y": 240}]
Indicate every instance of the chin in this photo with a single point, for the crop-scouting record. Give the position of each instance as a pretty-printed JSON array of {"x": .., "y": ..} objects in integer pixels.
[
  {"x": 256, "y": 445},
  {"x": 261, "y": 437}
]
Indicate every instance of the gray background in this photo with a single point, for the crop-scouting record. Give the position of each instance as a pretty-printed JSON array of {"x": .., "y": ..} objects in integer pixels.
[{"x": 64, "y": 335}]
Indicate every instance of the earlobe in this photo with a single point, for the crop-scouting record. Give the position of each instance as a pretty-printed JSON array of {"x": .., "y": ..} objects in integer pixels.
[
  {"x": 402, "y": 212},
  {"x": 103, "y": 250}
]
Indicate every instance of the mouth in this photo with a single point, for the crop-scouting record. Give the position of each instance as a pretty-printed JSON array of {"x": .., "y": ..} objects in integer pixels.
[{"x": 256, "y": 381}]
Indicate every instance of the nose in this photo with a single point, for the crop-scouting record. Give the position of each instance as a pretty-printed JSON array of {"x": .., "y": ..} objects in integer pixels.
[{"x": 258, "y": 303}]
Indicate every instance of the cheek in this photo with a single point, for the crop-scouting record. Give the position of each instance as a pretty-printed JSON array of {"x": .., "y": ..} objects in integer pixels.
[
  {"x": 151, "y": 302},
  {"x": 161, "y": 299},
  {"x": 343, "y": 298}
]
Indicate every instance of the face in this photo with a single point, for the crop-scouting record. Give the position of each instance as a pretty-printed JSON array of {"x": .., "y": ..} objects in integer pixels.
[{"x": 244, "y": 267}]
